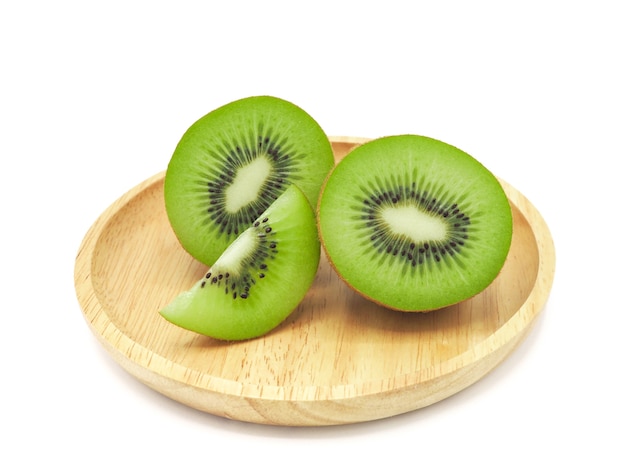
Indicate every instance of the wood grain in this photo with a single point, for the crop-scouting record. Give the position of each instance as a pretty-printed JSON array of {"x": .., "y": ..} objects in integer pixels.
[{"x": 337, "y": 359}]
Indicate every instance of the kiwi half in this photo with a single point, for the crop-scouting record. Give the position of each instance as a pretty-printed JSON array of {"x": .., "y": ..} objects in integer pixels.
[
  {"x": 231, "y": 164},
  {"x": 259, "y": 279},
  {"x": 413, "y": 223}
]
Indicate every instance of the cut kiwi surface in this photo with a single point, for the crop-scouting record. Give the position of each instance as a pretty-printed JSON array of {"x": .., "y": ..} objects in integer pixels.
[
  {"x": 413, "y": 223},
  {"x": 259, "y": 279},
  {"x": 231, "y": 164}
]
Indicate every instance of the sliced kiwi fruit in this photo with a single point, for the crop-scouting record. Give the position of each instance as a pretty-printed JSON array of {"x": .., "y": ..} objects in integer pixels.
[
  {"x": 231, "y": 164},
  {"x": 259, "y": 279},
  {"x": 413, "y": 223}
]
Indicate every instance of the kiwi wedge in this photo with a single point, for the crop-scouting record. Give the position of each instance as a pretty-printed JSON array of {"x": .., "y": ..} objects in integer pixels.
[
  {"x": 413, "y": 223},
  {"x": 259, "y": 279},
  {"x": 231, "y": 164}
]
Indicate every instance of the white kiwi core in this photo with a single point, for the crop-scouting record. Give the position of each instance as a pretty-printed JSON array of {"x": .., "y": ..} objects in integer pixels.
[
  {"x": 414, "y": 224},
  {"x": 247, "y": 183},
  {"x": 237, "y": 252}
]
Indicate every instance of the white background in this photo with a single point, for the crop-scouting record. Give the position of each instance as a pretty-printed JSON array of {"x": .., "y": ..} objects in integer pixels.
[{"x": 95, "y": 95}]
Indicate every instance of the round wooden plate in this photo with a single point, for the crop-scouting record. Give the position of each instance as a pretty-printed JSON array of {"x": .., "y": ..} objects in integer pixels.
[{"x": 337, "y": 359}]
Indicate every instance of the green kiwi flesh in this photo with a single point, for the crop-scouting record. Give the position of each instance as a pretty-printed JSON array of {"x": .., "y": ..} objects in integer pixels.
[
  {"x": 259, "y": 279},
  {"x": 413, "y": 223},
  {"x": 232, "y": 163}
]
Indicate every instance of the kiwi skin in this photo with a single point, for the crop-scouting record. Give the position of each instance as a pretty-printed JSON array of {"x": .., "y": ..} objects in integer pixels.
[
  {"x": 400, "y": 274},
  {"x": 271, "y": 141}
]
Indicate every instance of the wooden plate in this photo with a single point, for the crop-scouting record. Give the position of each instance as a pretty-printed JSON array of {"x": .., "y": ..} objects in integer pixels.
[{"x": 337, "y": 359}]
